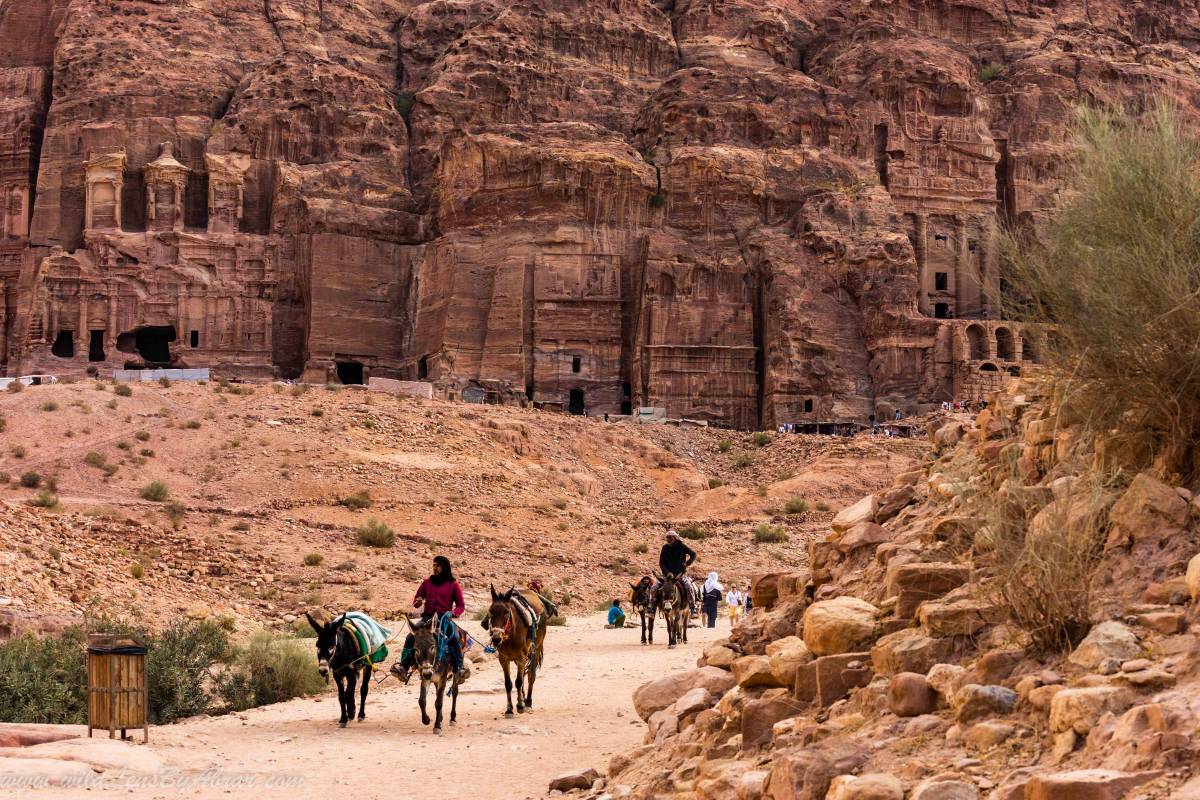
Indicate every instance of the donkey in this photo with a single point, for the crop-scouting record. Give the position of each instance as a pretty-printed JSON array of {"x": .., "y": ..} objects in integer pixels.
[
  {"x": 338, "y": 653},
  {"x": 671, "y": 596},
  {"x": 435, "y": 668},
  {"x": 517, "y": 644},
  {"x": 643, "y": 603}
]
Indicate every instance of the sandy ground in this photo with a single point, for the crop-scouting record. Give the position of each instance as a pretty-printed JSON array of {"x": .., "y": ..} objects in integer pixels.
[{"x": 583, "y": 715}]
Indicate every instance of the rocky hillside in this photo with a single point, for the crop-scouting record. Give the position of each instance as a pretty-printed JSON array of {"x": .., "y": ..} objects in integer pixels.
[
  {"x": 745, "y": 212},
  {"x": 953, "y": 640},
  {"x": 267, "y": 487}
]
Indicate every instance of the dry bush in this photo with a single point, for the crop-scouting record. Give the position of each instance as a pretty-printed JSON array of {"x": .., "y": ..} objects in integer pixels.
[
  {"x": 123, "y": 390},
  {"x": 357, "y": 501},
  {"x": 796, "y": 505},
  {"x": 156, "y": 491},
  {"x": 1117, "y": 273},
  {"x": 769, "y": 534},
  {"x": 376, "y": 534},
  {"x": 16, "y": 387},
  {"x": 693, "y": 530}
]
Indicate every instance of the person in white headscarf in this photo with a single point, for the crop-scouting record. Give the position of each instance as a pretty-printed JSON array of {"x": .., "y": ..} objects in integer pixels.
[{"x": 712, "y": 598}]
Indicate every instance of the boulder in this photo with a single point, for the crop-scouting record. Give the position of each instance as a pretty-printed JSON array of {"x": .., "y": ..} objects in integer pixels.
[
  {"x": 786, "y": 656},
  {"x": 889, "y": 502},
  {"x": 765, "y": 590},
  {"x": 908, "y": 650},
  {"x": 576, "y": 779},
  {"x": 962, "y": 617},
  {"x": 873, "y": 786},
  {"x": 830, "y": 678},
  {"x": 1107, "y": 640},
  {"x": 974, "y": 701},
  {"x": 1149, "y": 508},
  {"x": 988, "y": 734},
  {"x": 995, "y": 666},
  {"x": 848, "y": 517},
  {"x": 910, "y": 695},
  {"x": 753, "y": 671},
  {"x": 1080, "y": 709},
  {"x": 1085, "y": 784},
  {"x": 946, "y": 679},
  {"x": 693, "y": 702},
  {"x": 806, "y": 773},
  {"x": 719, "y": 656},
  {"x": 914, "y": 583},
  {"x": 839, "y": 625},
  {"x": 663, "y": 692},
  {"x": 759, "y": 717},
  {"x": 864, "y": 534},
  {"x": 1193, "y": 578},
  {"x": 949, "y": 786}
]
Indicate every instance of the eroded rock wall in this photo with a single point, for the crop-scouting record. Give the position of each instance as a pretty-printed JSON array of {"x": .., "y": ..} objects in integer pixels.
[{"x": 751, "y": 213}]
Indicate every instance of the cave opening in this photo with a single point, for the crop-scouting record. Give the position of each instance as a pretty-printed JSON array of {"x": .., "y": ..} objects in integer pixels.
[
  {"x": 423, "y": 369},
  {"x": 576, "y": 405},
  {"x": 64, "y": 345},
  {"x": 350, "y": 372},
  {"x": 152, "y": 343},
  {"x": 881, "y": 153},
  {"x": 95, "y": 345},
  {"x": 627, "y": 398}
]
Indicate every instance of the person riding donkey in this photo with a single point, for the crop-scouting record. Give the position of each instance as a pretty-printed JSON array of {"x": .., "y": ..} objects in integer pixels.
[
  {"x": 438, "y": 594},
  {"x": 674, "y": 560}
]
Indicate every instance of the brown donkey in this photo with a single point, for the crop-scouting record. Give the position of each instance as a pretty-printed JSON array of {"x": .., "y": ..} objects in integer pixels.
[{"x": 518, "y": 643}]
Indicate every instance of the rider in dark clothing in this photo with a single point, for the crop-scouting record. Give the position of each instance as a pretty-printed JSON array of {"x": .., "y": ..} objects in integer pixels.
[{"x": 674, "y": 559}]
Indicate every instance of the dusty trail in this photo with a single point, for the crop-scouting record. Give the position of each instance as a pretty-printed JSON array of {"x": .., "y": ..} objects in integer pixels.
[{"x": 583, "y": 715}]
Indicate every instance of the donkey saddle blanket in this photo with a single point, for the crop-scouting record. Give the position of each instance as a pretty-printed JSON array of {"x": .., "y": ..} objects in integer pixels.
[{"x": 370, "y": 635}]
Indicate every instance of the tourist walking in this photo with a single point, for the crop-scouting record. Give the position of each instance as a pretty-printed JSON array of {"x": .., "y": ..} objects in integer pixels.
[
  {"x": 734, "y": 600},
  {"x": 712, "y": 597}
]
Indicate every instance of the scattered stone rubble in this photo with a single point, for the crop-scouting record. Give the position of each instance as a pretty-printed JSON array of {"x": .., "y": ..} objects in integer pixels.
[{"x": 889, "y": 670}]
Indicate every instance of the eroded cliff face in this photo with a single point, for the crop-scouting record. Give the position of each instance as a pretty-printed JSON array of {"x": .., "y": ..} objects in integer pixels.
[{"x": 751, "y": 213}]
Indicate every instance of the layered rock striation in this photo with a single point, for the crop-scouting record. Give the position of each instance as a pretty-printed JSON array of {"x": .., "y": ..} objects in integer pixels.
[{"x": 750, "y": 213}]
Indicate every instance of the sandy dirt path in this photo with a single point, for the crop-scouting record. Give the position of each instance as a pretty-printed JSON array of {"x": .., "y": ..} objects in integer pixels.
[{"x": 583, "y": 715}]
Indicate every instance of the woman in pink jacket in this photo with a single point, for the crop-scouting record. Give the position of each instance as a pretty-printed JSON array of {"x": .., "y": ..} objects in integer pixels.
[{"x": 438, "y": 594}]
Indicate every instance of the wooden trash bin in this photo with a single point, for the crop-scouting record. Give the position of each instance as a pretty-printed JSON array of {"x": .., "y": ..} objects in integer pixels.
[{"x": 118, "y": 696}]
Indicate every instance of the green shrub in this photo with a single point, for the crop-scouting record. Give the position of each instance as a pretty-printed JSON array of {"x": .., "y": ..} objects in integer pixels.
[
  {"x": 297, "y": 391},
  {"x": 316, "y": 412},
  {"x": 44, "y": 680},
  {"x": 176, "y": 513},
  {"x": 743, "y": 460},
  {"x": 179, "y": 665},
  {"x": 724, "y": 445},
  {"x": 192, "y": 424},
  {"x": 1115, "y": 273},
  {"x": 658, "y": 200},
  {"x": 3, "y": 423},
  {"x": 146, "y": 452},
  {"x": 714, "y": 483},
  {"x": 17, "y": 451},
  {"x": 796, "y": 505},
  {"x": 313, "y": 559},
  {"x": 241, "y": 526},
  {"x": 142, "y": 436},
  {"x": 49, "y": 405},
  {"x": 123, "y": 445},
  {"x": 990, "y": 72},
  {"x": 560, "y": 503},
  {"x": 137, "y": 571},
  {"x": 404, "y": 104},
  {"x": 333, "y": 387},
  {"x": 100, "y": 386},
  {"x": 45, "y": 499},
  {"x": 15, "y": 387},
  {"x": 123, "y": 390},
  {"x": 31, "y": 479},
  {"x": 770, "y": 534},
  {"x": 156, "y": 491},
  {"x": 822, "y": 505},
  {"x": 357, "y": 501},
  {"x": 761, "y": 438},
  {"x": 269, "y": 669},
  {"x": 164, "y": 382},
  {"x": 693, "y": 531},
  {"x": 376, "y": 534},
  {"x": 94, "y": 459}
]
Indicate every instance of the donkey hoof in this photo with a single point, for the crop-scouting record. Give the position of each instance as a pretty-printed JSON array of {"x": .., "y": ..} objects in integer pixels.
[
  {"x": 508, "y": 713},
  {"x": 342, "y": 724},
  {"x": 438, "y": 730},
  {"x": 453, "y": 722}
]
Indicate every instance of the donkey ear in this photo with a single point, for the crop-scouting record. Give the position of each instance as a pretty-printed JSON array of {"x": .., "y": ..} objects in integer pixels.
[
  {"x": 495, "y": 596},
  {"x": 634, "y": 586},
  {"x": 340, "y": 622},
  {"x": 314, "y": 624}
]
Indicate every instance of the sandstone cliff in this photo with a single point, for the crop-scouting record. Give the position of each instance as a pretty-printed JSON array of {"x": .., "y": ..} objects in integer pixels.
[{"x": 747, "y": 212}]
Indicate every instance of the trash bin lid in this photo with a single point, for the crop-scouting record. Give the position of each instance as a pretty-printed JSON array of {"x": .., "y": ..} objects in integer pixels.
[
  {"x": 109, "y": 644},
  {"x": 126, "y": 650}
]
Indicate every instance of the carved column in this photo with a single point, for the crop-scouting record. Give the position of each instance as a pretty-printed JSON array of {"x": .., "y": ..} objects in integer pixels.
[
  {"x": 81, "y": 334},
  {"x": 112, "y": 317},
  {"x": 962, "y": 268},
  {"x": 3, "y": 322},
  {"x": 5, "y": 225},
  {"x": 181, "y": 318},
  {"x": 226, "y": 187},
  {"x": 921, "y": 222}
]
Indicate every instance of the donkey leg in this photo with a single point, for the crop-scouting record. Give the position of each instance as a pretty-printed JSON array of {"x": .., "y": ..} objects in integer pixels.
[
  {"x": 529, "y": 690},
  {"x": 454, "y": 702},
  {"x": 366, "y": 687},
  {"x": 650, "y": 628},
  {"x": 520, "y": 688},
  {"x": 341, "y": 687},
  {"x": 643, "y": 616},
  {"x": 437, "y": 706},
  {"x": 421, "y": 701},
  {"x": 351, "y": 683},
  {"x": 508, "y": 684}
]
